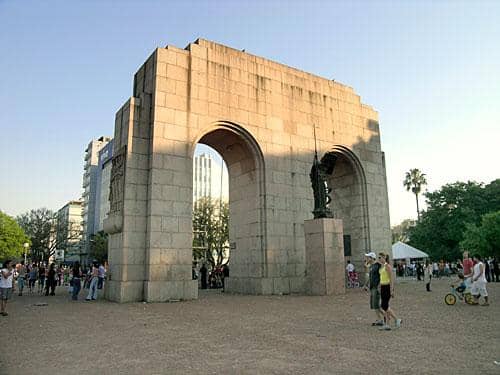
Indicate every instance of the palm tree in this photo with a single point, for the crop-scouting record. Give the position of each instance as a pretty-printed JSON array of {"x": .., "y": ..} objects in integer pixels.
[{"x": 414, "y": 180}]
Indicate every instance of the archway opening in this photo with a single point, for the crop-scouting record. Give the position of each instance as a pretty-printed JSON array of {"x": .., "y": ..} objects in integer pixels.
[
  {"x": 242, "y": 249},
  {"x": 348, "y": 203}
]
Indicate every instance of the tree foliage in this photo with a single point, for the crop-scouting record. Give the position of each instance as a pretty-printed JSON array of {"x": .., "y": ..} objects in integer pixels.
[
  {"x": 400, "y": 232},
  {"x": 414, "y": 181},
  {"x": 485, "y": 238},
  {"x": 47, "y": 234},
  {"x": 211, "y": 230},
  {"x": 12, "y": 237},
  {"x": 99, "y": 246},
  {"x": 451, "y": 210}
]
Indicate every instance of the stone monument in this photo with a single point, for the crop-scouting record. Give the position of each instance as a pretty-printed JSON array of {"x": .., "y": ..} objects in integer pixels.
[{"x": 260, "y": 116}]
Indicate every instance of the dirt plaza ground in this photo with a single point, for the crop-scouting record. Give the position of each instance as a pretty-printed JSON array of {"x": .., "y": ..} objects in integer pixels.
[{"x": 235, "y": 334}]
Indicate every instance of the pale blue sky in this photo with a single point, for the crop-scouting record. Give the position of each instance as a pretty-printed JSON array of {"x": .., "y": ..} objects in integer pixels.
[{"x": 431, "y": 69}]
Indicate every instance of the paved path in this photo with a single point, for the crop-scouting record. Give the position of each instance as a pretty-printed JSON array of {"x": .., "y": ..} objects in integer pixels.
[{"x": 234, "y": 334}]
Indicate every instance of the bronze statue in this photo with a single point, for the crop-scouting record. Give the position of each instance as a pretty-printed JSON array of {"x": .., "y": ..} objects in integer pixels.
[{"x": 321, "y": 190}]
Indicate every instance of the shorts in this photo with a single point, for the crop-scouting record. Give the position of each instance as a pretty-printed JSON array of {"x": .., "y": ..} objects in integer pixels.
[
  {"x": 374, "y": 299},
  {"x": 479, "y": 288},
  {"x": 385, "y": 296},
  {"x": 5, "y": 293}
]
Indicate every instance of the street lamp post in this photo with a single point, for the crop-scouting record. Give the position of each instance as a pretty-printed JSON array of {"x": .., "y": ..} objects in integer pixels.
[{"x": 26, "y": 246}]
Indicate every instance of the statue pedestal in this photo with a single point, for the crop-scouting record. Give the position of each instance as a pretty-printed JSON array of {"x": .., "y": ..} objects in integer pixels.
[{"x": 325, "y": 273}]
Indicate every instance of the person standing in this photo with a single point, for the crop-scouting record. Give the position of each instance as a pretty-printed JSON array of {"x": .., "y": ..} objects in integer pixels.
[
  {"x": 386, "y": 292},
  {"x": 372, "y": 285},
  {"x": 496, "y": 270},
  {"x": 51, "y": 281},
  {"x": 367, "y": 265},
  {"x": 203, "y": 276},
  {"x": 21, "y": 277},
  {"x": 225, "y": 274},
  {"x": 94, "y": 279},
  {"x": 420, "y": 271},
  {"x": 467, "y": 265},
  {"x": 428, "y": 269},
  {"x": 101, "y": 275},
  {"x": 487, "y": 270},
  {"x": 41, "y": 278},
  {"x": 76, "y": 272},
  {"x": 349, "y": 268},
  {"x": 479, "y": 281},
  {"x": 6, "y": 285},
  {"x": 32, "y": 277}
]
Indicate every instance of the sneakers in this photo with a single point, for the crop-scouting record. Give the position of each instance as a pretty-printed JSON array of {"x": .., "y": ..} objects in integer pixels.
[
  {"x": 4, "y": 313},
  {"x": 485, "y": 304},
  {"x": 378, "y": 323},
  {"x": 398, "y": 323},
  {"x": 385, "y": 327}
]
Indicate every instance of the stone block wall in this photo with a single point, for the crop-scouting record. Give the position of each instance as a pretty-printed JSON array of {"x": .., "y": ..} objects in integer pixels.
[{"x": 212, "y": 93}]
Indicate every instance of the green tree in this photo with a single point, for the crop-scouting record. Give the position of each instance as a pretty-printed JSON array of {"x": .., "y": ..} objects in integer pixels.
[
  {"x": 99, "y": 246},
  {"x": 211, "y": 230},
  {"x": 414, "y": 180},
  {"x": 450, "y": 211},
  {"x": 400, "y": 231},
  {"x": 47, "y": 233},
  {"x": 485, "y": 238},
  {"x": 12, "y": 237}
]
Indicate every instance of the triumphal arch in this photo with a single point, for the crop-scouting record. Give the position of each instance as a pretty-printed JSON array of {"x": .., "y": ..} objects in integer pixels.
[{"x": 265, "y": 119}]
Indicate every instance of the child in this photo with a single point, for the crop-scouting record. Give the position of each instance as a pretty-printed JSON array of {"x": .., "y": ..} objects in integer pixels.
[{"x": 461, "y": 286}]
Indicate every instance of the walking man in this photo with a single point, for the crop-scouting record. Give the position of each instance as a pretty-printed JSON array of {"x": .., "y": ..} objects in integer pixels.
[
  {"x": 6, "y": 285},
  {"x": 373, "y": 282}
]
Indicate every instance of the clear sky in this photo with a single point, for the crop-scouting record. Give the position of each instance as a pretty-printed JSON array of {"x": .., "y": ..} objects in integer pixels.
[{"x": 431, "y": 69}]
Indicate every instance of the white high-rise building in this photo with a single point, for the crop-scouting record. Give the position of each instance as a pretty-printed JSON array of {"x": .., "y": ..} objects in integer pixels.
[
  {"x": 90, "y": 183},
  {"x": 69, "y": 231},
  {"x": 210, "y": 179}
]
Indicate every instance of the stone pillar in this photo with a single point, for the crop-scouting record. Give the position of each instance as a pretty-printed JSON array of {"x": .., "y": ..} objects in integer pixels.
[{"x": 325, "y": 274}]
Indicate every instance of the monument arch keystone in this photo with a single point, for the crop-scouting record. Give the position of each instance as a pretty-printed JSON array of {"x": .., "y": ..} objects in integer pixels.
[{"x": 259, "y": 115}]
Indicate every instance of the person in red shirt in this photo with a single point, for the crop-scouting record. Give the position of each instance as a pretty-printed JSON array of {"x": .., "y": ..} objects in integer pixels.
[{"x": 468, "y": 266}]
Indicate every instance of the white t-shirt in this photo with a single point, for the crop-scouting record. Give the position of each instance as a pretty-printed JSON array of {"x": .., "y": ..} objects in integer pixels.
[
  {"x": 350, "y": 267},
  {"x": 477, "y": 272},
  {"x": 6, "y": 282}
]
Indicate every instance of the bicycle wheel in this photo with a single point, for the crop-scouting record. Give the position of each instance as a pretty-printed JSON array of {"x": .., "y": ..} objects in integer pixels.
[
  {"x": 468, "y": 298},
  {"x": 450, "y": 299}
]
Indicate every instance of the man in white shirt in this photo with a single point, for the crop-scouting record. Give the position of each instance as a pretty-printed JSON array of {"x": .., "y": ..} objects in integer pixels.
[
  {"x": 479, "y": 281},
  {"x": 6, "y": 285},
  {"x": 350, "y": 267}
]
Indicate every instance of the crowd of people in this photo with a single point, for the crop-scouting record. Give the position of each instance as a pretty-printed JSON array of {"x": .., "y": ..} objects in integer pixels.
[
  {"x": 42, "y": 278},
  {"x": 213, "y": 279},
  {"x": 380, "y": 281},
  {"x": 445, "y": 269}
]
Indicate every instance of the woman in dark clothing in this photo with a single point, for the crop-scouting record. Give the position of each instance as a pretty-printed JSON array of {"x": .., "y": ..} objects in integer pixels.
[
  {"x": 487, "y": 270},
  {"x": 203, "y": 274},
  {"x": 51, "y": 281},
  {"x": 496, "y": 270},
  {"x": 76, "y": 272}
]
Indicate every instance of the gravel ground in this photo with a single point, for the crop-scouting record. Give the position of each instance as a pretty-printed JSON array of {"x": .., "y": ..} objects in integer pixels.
[{"x": 235, "y": 334}]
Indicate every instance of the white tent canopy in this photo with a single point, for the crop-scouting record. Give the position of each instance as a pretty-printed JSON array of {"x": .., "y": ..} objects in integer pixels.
[{"x": 401, "y": 250}]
